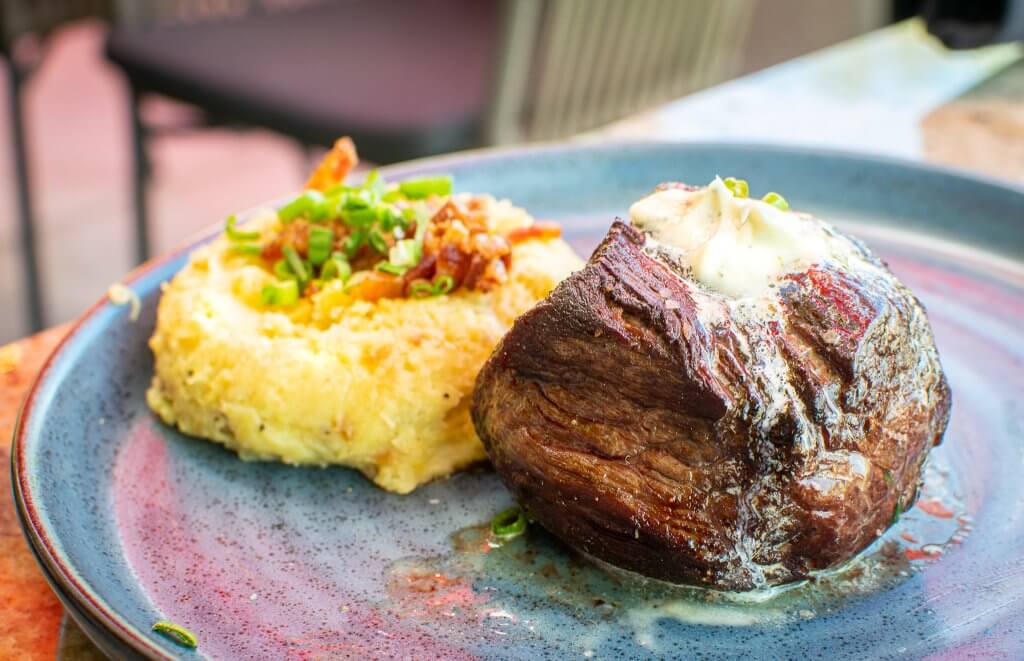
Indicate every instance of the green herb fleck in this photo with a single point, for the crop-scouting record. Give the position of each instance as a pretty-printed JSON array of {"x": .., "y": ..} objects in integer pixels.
[
  {"x": 440, "y": 286},
  {"x": 738, "y": 187},
  {"x": 282, "y": 292},
  {"x": 776, "y": 201},
  {"x": 416, "y": 189},
  {"x": 236, "y": 234},
  {"x": 897, "y": 511},
  {"x": 509, "y": 523},
  {"x": 177, "y": 633}
]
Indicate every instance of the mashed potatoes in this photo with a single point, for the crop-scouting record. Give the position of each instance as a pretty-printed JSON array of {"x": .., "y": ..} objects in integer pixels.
[{"x": 381, "y": 386}]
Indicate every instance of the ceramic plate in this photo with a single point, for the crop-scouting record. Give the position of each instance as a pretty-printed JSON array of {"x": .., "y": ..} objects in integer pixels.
[{"x": 135, "y": 523}]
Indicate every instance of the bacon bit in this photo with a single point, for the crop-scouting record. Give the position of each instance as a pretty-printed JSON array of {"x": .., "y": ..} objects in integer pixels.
[
  {"x": 935, "y": 508},
  {"x": 465, "y": 250},
  {"x": 543, "y": 231},
  {"x": 908, "y": 537},
  {"x": 335, "y": 166},
  {"x": 376, "y": 285},
  {"x": 295, "y": 234},
  {"x": 921, "y": 554}
]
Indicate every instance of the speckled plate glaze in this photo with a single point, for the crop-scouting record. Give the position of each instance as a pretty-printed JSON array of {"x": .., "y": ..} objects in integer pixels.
[{"x": 134, "y": 522}]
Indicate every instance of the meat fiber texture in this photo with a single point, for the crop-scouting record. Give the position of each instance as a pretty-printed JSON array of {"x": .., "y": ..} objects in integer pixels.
[{"x": 700, "y": 439}]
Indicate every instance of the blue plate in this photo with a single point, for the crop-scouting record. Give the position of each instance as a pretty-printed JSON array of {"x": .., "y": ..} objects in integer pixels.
[{"x": 135, "y": 523}]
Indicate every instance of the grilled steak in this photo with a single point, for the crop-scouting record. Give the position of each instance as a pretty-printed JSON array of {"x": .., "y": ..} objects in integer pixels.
[{"x": 731, "y": 440}]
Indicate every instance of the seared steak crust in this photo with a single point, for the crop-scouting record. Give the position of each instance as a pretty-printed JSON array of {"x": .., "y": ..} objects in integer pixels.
[{"x": 668, "y": 430}]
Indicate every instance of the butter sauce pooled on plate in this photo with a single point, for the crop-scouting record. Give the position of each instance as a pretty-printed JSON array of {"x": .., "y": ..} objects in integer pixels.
[{"x": 730, "y": 394}]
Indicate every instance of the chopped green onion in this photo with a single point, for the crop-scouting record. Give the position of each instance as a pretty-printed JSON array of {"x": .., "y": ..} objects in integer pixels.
[
  {"x": 295, "y": 263},
  {"x": 406, "y": 252},
  {"x": 443, "y": 285},
  {"x": 375, "y": 183},
  {"x": 776, "y": 200},
  {"x": 897, "y": 511},
  {"x": 509, "y": 524},
  {"x": 282, "y": 271},
  {"x": 282, "y": 292},
  {"x": 321, "y": 239},
  {"x": 440, "y": 286},
  {"x": 361, "y": 217},
  {"x": 359, "y": 199},
  {"x": 738, "y": 187},
  {"x": 301, "y": 206},
  {"x": 354, "y": 242},
  {"x": 246, "y": 248},
  {"x": 389, "y": 218},
  {"x": 421, "y": 290},
  {"x": 377, "y": 241},
  {"x": 336, "y": 266},
  {"x": 416, "y": 189},
  {"x": 177, "y": 633},
  {"x": 392, "y": 194},
  {"x": 393, "y": 269},
  {"x": 238, "y": 235},
  {"x": 326, "y": 209}
]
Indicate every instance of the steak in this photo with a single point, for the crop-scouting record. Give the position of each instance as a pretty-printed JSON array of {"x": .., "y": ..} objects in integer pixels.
[{"x": 733, "y": 443}]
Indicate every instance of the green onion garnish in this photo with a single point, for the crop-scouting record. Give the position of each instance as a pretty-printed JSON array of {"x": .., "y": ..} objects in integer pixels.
[
  {"x": 246, "y": 248},
  {"x": 509, "y": 524},
  {"x": 416, "y": 189},
  {"x": 238, "y": 235},
  {"x": 354, "y": 242},
  {"x": 321, "y": 239},
  {"x": 897, "y": 511},
  {"x": 282, "y": 292},
  {"x": 738, "y": 187},
  {"x": 295, "y": 263},
  {"x": 776, "y": 200},
  {"x": 326, "y": 209},
  {"x": 336, "y": 266},
  {"x": 376, "y": 240},
  {"x": 282, "y": 271},
  {"x": 360, "y": 217},
  {"x": 359, "y": 199},
  {"x": 443, "y": 284},
  {"x": 374, "y": 182},
  {"x": 301, "y": 206},
  {"x": 177, "y": 633},
  {"x": 440, "y": 286},
  {"x": 405, "y": 254}
]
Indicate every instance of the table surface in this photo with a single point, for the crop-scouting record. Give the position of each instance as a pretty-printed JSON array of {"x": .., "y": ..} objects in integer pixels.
[{"x": 894, "y": 92}]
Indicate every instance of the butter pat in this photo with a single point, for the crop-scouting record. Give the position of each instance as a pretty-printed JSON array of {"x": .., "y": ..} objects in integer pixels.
[{"x": 735, "y": 246}]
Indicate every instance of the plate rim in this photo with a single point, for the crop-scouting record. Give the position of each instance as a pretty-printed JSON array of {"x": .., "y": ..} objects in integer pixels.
[{"x": 59, "y": 569}]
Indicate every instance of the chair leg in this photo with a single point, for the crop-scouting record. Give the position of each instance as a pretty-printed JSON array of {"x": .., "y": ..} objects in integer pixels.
[
  {"x": 33, "y": 286},
  {"x": 140, "y": 178}
]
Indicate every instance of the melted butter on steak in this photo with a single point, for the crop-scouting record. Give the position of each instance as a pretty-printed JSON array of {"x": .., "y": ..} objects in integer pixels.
[{"x": 735, "y": 246}]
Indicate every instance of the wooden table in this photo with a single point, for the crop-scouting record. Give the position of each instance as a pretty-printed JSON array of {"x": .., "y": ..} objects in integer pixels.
[{"x": 919, "y": 102}]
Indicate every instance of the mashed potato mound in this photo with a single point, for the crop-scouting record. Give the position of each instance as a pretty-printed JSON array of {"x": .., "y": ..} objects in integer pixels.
[{"x": 383, "y": 387}]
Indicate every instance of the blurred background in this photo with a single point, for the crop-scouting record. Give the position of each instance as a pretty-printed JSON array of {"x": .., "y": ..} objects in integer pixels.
[{"x": 130, "y": 125}]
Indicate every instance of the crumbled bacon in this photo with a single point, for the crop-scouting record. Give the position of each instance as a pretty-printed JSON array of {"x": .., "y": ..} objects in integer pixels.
[
  {"x": 335, "y": 166},
  {"x": 535, "y": 231},
  {"x": 465, "y": 250},
  {"x": 295, "y": 234},
  {"x": 375, "y": 285}
]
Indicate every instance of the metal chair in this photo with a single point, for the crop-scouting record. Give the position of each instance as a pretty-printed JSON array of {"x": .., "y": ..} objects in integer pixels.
[
  {"x": 418, "y": 77},
  {"x": 24, "y": 26}
]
